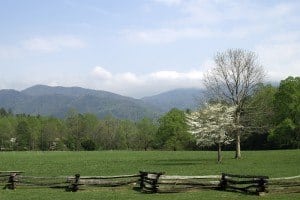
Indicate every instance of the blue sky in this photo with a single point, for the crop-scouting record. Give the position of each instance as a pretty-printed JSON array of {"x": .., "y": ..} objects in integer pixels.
[{"x": 140, "y": 47}]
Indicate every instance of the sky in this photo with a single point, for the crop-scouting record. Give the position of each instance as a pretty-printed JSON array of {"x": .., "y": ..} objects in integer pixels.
[{"x": 141, "y": 48}]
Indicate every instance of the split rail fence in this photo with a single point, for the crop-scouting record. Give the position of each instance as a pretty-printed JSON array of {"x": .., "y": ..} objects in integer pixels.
[{"x": 156, "y": 182}]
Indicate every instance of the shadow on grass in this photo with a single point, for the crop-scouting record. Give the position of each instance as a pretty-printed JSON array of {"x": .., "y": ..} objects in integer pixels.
[
  {"x": 183, "y": 162},
  {"x": 184, "y": 190}
]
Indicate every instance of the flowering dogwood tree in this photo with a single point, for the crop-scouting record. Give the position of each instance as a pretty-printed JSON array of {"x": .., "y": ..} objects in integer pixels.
[{"x": 212, "y": 125}]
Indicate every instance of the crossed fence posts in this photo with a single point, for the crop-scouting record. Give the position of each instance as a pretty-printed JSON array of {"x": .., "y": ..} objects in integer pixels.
[
  {"x": 154, "y": 182},
  {"x": 244, "y": 183},
  {"x": 12, "y": 179}
]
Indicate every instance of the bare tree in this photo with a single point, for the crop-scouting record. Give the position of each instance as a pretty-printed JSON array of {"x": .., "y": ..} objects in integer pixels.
[{"x": 234, "y": 78}]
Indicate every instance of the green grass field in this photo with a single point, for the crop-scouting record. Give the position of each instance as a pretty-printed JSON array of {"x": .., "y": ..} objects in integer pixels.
[{"x": 270, "y": 163}]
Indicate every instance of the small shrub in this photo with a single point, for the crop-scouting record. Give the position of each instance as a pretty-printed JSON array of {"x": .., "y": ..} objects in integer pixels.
[{"x": 88, "y": 145}]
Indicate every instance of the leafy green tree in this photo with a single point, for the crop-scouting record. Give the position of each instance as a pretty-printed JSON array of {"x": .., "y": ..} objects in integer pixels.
[
  {"x": 88, "y": 145},
  {"x": 258, "y": 117},
  {"x": 173, "y": 131},
  {"x": 91, "y": 122},
  {"x": 287, "y": 100},
  {"x": 23, "y": 135},
  {"x": 3, "y": 112},
  {"x": 121, "y": 135},
  {"x": 259, "y": 113},
  {"x": 52, "y": 134},
  {"x": 106, "y": 131},
  {"x": 89, "y": 133},
  {"x": 286, "y": 134},
  {"x": 126, "y": 134},
  {"x": 7, "y": 132},
  {"x": 76, "y": 125},
  {"x": 146, "y": 133},
  {"x": 35, "y": 128}
]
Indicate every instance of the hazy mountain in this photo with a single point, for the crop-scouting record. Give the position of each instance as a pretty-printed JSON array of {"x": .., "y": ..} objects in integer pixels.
[
  {"x": 183, "y": 99},
  {"x": 14, "y": 100},
  {"x": 57, "y": 101}
]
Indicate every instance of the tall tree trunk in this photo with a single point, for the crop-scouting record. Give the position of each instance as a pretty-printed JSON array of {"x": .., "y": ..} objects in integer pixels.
[
  {"x": 219, "y": 152},
  {"x": 238, "y": 154},
  {"x": 238, "y": 145}
]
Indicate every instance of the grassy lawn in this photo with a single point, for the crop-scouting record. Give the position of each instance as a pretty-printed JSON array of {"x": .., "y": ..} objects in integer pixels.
[{"x": 270, "y": 163}]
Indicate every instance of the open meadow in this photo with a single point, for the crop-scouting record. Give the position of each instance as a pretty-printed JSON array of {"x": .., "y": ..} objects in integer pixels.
[{"x": 270, "y": 163}]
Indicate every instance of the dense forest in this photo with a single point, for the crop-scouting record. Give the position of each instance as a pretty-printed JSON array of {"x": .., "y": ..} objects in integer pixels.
[{"x": 270, "y": 119}]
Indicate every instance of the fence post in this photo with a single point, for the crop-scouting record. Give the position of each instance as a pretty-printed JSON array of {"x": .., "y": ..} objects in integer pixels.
[
  {"x": 261, "y": 186},
  {"x": 223, "y": 182},
  {"x": 12, "y": 181},
  {"x": 142, "y": 178},
  {"x": 74, "y": 187},
  {"x": 155, "y": 183}
]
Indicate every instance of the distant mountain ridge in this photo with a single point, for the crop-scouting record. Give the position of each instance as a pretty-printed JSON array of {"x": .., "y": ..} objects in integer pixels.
[
  {"x": 187, "y": 98},
  {"x": 57, "y": 101}
]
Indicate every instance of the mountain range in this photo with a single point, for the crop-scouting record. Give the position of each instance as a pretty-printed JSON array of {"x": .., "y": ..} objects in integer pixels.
[{"x": 57, "y": 101}]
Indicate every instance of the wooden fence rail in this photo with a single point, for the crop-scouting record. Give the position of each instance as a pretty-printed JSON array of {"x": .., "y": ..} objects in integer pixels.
[
  {"x": 106, "y": 181},
  {"x": 284, "y": 184},
  {"x": 12, "y": 178},
  {"x": 154, "y": 182},
  {"x": 182, "y": 183},
  {"x": 244, "y": 183}
]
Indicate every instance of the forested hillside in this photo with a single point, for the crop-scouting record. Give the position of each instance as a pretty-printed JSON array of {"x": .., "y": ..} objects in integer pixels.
[
  {"x": 57, "y": 101},
  {"x": 180, "y": 98}
]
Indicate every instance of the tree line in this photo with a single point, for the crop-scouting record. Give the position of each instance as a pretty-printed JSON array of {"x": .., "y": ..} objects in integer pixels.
[
  {"x": 76, "y": 132},
  {"x": 270, "y": 120},
  {"x": 272, "y": 116}
]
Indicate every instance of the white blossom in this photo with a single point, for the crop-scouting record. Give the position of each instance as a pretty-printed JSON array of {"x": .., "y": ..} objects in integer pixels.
[
  {"x": 212, "y": 124},
  {"x": 13, "y": 140}
]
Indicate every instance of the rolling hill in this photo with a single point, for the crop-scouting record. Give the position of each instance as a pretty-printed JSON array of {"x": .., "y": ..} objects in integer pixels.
[
  {"x": 57, "y": 101},
  {"x": 183, "y": 99}
]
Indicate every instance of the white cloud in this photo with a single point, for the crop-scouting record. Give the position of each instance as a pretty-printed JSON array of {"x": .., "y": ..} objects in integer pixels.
[
  {"x": 131, "y": 84},
  {"x": 87, "y": 7},
  {"x": 101, "y": 73},
  {"x": 206, "y": 19},
  {"x": 281, "y": 9},
  {"x": 176, "y": 76},
  {"x": 280, "y": 55},
  {"x": 41, "y": 45},
  {"x": 169, "y": 2},
  {"x": 125, "y": 83},
  {"x": 165, "y": 75},
  {"x": 53, "y": 44},
  {"x": 8, "y": 52},
  {"x": 286, "y": 37},
  {"x": 128, "y": 83},
  {"x": 166, "y": 35},
  {"x": 212, "y": 12},
  {"x": 128, "y": 77},
  {"x": 194, "y": 75}
]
